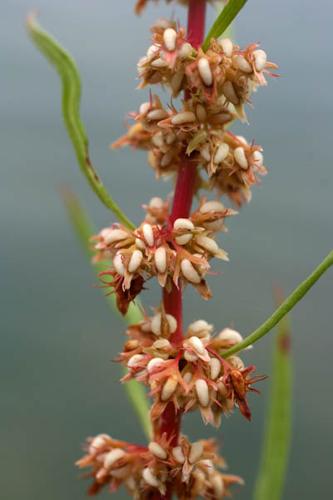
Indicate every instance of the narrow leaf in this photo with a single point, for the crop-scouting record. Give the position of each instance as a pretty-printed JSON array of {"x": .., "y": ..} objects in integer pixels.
[
  {"x": 83, "y": 229},
  {"x": 288, "y": 304},
  {"x": 277, "y": 434},
  {"x": 71, "y": 96},
  {"x": 223, "y": 20}
]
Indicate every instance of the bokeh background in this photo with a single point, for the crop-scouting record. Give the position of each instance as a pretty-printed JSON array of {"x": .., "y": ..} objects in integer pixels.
[{"x": 58, "y": 338}]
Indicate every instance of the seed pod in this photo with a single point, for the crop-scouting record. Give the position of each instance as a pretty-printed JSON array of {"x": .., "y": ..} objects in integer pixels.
[
  {"x": 162, "y": 345},
  {"x": 157, "y": 140},
  {"x": 258, "y": 158},
  {"x": 260, "y": 59},
  {"x": 221, "y": 153},
  {"x": 152, "y": 50},
  {"x": 240, "y": 157},
  {"x": 178, "y": 454},
  {"x": 159, "y": 63},
  {"x": 176, "y": 82},
  {"x": 222, "y": 389},
  {"x": 183, "y": 117},
  {"x": 98, "y": 442},
  {"x": 201, "y": 113},
  {"x": 113, "y": 235},
  {"x": 148, "y": 234},
  {"x": 195, "y": 452},
  {"x": 160, "y": 258},
  {"x": 205, "y": 152},
  {"x": 135, "y": 360},
  {"x": 189, "y": 272},
  {"x": 229, "y": 92},
  {"x": 150, "y": 478},
  {"x": 218, "y": 485},
  {"x": 205, "y": 71},
  {"x": 185, "y": 224},
  {"x": 207, "y": 244},
  {"x": 157, "y": 450},
  {"x": 156, "y": 114},
  {"x": 241, "y": 63},
  {"x": 120, "y": 473},
  {"x": 215, "y": 368},
  {"x": 118, "y": 264},
  {"x": 212, "y": 206},
  {"x": 135, "y": 261},
  {"x": 227, "y": 46},
  {"x": 156, "y": 323},
  {"x": 169, "y": 388},
  {"x": 144, "y": 108},
  {"x": 185, "y": 50},
  {"x": 187, "y": 378},
  {"x": 154, "y": 363},
  {"x": 230, "y": 336},
  {"x": 170, "y": 38},
  {"x": 236, "y": 362},
  {"x": 112, "y": 457},
  {"x": 202, "y": 390},
  {"x": 200, "y": 328},
  {"x": 156, "y": 202}
]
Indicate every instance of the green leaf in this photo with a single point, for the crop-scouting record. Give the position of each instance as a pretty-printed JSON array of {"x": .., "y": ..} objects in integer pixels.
[
  {"x": 71, "y": 96},
  {"x": 277, "y": 434},
  {"x": 223, "y": 20},
  {"x": 83, "y": 229},
  {"x": 286, "y": 306}
]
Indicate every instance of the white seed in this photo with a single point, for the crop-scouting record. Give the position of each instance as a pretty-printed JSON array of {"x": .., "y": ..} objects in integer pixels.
[
  {"x": 258, "y": 158},
  {"x": 157, "y": 140},
  {"x": 176, "y": 81},
  {"x": 144, "y": 108},
  {"x": 242, "y": 139},
  {"x": 260, "y": 59},
  {"x": 183, "y": 117},
  {"x": 227, "y": 46},
  {"x": 222, "y": 389},
  {"x": 229, "y": 92},
  {"x": 231, "y": 336},
  {"x": 236, "y": 362},
  {"x": 187, "y": 377},
  {"x": 120, "y": 473},
  {"x": 195, "y": 452},
  {"x": 178, "y": 454},
  {"x": 135, "y": 261},
  {"x": 185, "y": 224},
  {"x": 113, "y": 235},
  {"x": 156, "y": 114},
  {"x": 201, "y": 113},
  {"x": 160, "y": 258},
  {"x": 189, "y": 272},
  {"x": 241, "y": 63},
  {"x": 148, "y": 234},
  {"x": 207, "y": 244},
  {"x": 152, "y": 50},
  {"x": 218, "y": 485},
  {"x": 140, "y": 244},
  {"x": 205, "y": 71},
  {"x": 185, "y": 50},
  {"x": 162, "y": 344},
  {"x": 190, "y": 357},
  {"x": 170, "y": 38},
  {"x": 196, "y": 344},
  {"x": 169, "y": 388},
  {"x": 215, "y": 368},
  {"x": 113, "y": 456},
  {"x": 118, "y": 264},
  {"x": 166, "y": 160},
  {"x": 157, "y": 450},
  {"x": 134, "y": 360},
  {"x": 97, "y": 442},
  {"x": 159, "y": 63},
  {"x": 200, "y": 328},
  {"x": 150, "y": 478},
  {"x": 221, "y": 153},
  {"x": 240, "y": 157},
  {"x": 201, "y": 388},
  {"x": 156, "y": 202},
  {"x": 170, "y": 138},
  {"x": 157, "y": 320},
  {"x": 154, "y": 363},
  {"x": 212, "y": 206},
  {"x": 205, "y": 152}
]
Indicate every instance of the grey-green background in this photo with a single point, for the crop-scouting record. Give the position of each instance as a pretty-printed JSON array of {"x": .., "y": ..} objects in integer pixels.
[{"x": 58, "y": 338}]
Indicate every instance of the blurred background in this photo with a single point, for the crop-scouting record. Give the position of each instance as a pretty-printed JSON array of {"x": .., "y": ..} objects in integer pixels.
[{"x": 58, "y": 340}]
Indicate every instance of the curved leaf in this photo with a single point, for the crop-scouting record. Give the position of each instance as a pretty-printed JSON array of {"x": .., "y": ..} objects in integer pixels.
[{"x": 71, "y": 95}]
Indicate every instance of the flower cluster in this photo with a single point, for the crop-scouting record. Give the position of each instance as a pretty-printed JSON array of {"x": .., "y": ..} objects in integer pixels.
[
  {"x": 174, "y": 253},
  {"x": 217, "y": 84},
  {"x": 193, "y": 468},
  {"x": 192, "y": 374}
]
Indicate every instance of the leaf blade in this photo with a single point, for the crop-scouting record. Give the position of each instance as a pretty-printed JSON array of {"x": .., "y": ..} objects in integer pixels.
[
  {"x": 223, "y": 20},
  {"x": 71, "y": 97},
  {"x": 277, "y": 435}
]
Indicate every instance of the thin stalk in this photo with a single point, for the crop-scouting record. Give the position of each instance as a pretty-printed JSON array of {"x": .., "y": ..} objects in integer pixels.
[
  {"x": 182, "y": 202},
  {"x": 285, "y": 307}
]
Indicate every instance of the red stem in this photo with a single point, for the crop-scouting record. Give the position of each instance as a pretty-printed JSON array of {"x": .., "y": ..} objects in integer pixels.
[{"x": 186, "y": 179}]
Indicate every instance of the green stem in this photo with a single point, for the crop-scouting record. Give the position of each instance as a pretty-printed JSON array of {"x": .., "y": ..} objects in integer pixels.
[{"x": 285, "y": 307}]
